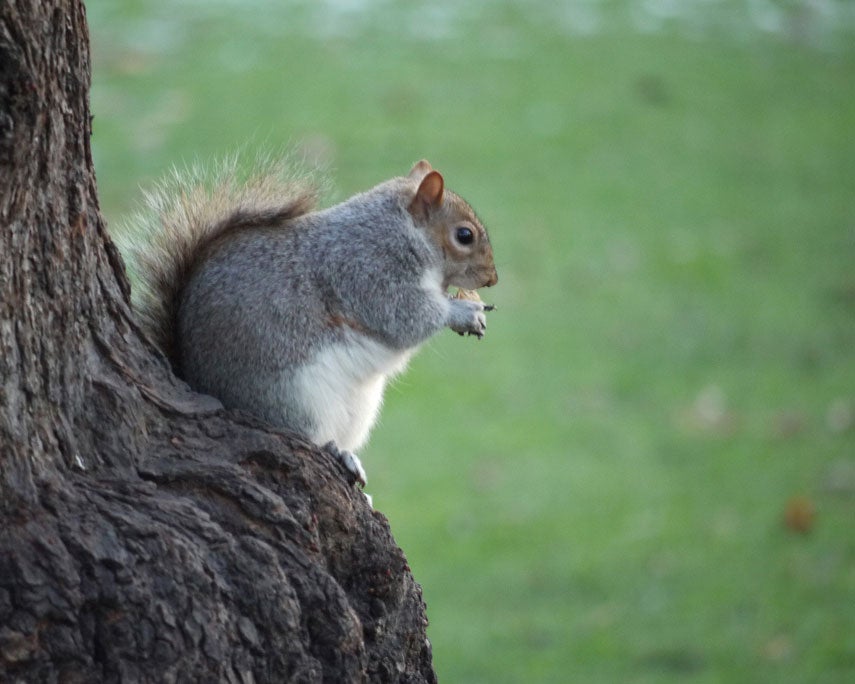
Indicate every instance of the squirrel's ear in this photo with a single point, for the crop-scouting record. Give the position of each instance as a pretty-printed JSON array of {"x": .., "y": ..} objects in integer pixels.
[
  {"x": 420, "y": 170},
  {"x": 429, "y": 194}
]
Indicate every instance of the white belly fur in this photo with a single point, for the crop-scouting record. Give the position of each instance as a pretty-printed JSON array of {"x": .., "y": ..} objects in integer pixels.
[{"x": 342, "y": 388}]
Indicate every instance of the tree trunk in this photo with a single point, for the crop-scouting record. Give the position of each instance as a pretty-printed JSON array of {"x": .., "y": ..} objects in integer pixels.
[{"x": 146, "y": 534}]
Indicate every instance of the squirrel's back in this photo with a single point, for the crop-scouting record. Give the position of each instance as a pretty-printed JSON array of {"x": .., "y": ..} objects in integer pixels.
[{"x": 184, "y": 218}]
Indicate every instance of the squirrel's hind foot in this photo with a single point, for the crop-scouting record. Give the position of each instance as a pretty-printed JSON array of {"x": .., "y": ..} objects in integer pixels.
[{"x": 350, "y": 461}]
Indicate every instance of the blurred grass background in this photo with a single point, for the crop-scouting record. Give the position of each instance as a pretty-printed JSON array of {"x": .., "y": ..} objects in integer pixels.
[{"x": 646, "y": 471}]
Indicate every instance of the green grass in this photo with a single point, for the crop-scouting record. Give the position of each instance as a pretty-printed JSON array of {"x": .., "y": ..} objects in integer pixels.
[{"x": 595, "y": 492}]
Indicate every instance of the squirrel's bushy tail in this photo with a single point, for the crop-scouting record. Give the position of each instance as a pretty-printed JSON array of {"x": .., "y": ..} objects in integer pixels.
[{"x": 184, "y": 214}]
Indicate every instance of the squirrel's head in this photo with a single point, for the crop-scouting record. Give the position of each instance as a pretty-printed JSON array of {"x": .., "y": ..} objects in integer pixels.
[{"x": 452, "y": 226}]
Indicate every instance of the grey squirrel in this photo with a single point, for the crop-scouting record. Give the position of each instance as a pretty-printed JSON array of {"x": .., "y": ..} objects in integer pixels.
[{"x": 300, "y": 316}]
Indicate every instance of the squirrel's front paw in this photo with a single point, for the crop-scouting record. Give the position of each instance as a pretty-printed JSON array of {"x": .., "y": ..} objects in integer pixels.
[{"x": 467, "y": 317}]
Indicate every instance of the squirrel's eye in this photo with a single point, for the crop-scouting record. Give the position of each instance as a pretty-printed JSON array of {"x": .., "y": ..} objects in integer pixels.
[{"x": 464, "y": 235}]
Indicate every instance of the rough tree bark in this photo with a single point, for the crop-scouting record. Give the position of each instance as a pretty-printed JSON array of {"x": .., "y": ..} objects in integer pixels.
[{"x": 145, "y": 533}]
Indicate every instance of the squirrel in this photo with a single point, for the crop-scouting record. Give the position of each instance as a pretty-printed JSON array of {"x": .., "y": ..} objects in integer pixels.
[{"x": 300, "y": 316}]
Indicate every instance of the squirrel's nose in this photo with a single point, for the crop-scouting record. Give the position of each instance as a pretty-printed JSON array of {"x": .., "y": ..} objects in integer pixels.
[{"x": 493, "y": 279}]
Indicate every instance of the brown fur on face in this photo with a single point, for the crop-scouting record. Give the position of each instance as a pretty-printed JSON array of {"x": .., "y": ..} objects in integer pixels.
[{"x": 452, "y": 225}]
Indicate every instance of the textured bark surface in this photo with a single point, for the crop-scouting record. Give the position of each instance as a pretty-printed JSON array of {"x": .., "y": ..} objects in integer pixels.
[{"x": 145, "y": 533}]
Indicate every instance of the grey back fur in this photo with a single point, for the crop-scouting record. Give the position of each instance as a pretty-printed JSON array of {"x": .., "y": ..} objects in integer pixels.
[{"x": 185, "y": 216}]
